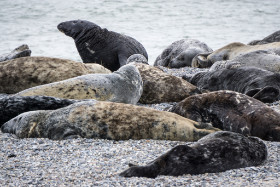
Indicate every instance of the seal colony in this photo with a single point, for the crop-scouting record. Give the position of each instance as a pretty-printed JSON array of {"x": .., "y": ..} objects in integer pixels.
[
  {"x": 97, "y": 45},
  {"x": 67, "y": 109}
]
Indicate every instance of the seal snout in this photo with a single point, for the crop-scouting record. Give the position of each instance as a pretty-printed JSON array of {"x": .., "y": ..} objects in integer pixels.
[{"x": 60, "y": 27}]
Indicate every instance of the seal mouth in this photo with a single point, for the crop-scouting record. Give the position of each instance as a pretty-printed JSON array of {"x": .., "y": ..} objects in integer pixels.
[{"x": 59, "y": 27}]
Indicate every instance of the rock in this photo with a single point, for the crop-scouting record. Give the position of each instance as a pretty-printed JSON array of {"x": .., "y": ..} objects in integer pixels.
[
  {"x": 105, "y": 120},
  {"x": 216, "y": 152},
  {"x": 232, "y": 111},
  {"x": 26, "y": 72}
]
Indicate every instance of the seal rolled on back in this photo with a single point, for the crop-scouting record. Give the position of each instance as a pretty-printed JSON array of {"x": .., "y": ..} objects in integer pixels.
[{"x": 97, "y": 45}]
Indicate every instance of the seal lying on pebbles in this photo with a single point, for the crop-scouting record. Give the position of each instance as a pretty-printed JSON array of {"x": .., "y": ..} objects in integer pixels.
[
  {"x": 97, "y": 45},
  {"x": 159, "y": 87},
  {"x": 106, "y": 120},
  {"x": 124, "y": 85},
  {"x": 180, "y": 53},
  {"x": 261, "y": 59},
  {"x": 26, "y": 72},
  {"x": 18, "y": 52},
  {"x": 231, "y": 51},
  {"x": 216, "y": 152},
  {"x": 232, "y": 111},
  {"x": 274, "y": 37},
  {"x": 258, "y": 83},
  {"x": 11, "y": 106}
]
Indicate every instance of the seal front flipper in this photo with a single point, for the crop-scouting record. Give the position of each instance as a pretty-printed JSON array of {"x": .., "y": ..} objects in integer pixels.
[
  {"x": 122, "y": 59},
  {"x": 267, "y": 95}
]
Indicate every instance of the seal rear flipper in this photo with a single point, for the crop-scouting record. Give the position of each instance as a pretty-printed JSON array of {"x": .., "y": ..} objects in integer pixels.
[
  {"x": 201, "y": 61},
  {"x": 267, "y": 95}
]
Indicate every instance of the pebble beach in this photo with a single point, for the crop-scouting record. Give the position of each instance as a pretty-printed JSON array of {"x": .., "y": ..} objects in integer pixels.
[{"x": 98, "y": 162}]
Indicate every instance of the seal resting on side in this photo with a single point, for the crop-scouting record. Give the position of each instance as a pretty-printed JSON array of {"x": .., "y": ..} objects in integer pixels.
[
  {"x": 18, "y": 52},
  {"x": 216, "y": 152},
  {"x": 97, "y": 45},
  {"x": 274, "y": 37},
  {"x": 106, "y": 120},
  {"x": 26, "y": 72},
  {"x": 11, "y": 106},
  {"x": 160, "y": 87},
  {"x": 230, "y": 52},
  {"x": 255, "y": 82},
  {"x": 180, "y": 53},
  {"x": 260, "y": 59},
  {"x": 232, "y": 111},
  {"x": 124, "y": 86}
]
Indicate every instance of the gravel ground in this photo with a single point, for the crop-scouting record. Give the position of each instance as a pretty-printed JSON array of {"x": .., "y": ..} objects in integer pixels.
[{"x": 90, "y": 162}]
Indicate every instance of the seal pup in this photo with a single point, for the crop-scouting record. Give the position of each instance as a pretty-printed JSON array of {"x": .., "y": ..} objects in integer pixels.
[
  {"x": 274, "y": 37},
  {"x": 106, "y": 120},
  {"x": 260, "y": 59},
  {"x": 26, "y": 72},
  {"x": 180, "y": 53},
  {"x": 138, "y": 58},
  {"x": 124, "y": 85},
  {"x": 255, "y": 82},
  {"x": 12, "y": 106},
  {"x": 216, "y": 152},
  {"x": 18, "y": 52},
  {"x": 97, "y": 45},
  {"x": 232, "y": 111},
  {"x": 230, "y": 52}
]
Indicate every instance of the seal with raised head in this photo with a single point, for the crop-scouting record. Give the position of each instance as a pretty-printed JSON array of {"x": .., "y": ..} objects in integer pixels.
[
  {"x": 106, "y": 120},
  {"x": 124, "y": 86},
  {"x": 18, "y": 52},
  {"x": 180, "y": 53},
  {"x": 260, "y": 59},
  {"x": 97, "y": 45},
  {"x": 26, "y": 72},
  {"x": 230, "y": 52},
  {"x": 232, "y": 111},
  {"x": 216, "y": 152},
  {"x": 255, "y": 82},
  {"x": 274, "y": 37}
]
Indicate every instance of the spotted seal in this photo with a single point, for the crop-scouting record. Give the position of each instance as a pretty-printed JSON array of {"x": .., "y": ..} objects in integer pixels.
[
  {"x": 232, "y": 111},
  {"x": 26, "y": 72},
  {"x": 106, "y": 120},
  {"x": 124, "y": 85},
  {"x": 274, "y": 37},
  {"x": 97, "y": 45},
  {"x": 230, "y": 52},
  {"x": 216, "y": 152},
  {"x": 180, "y": 53}
]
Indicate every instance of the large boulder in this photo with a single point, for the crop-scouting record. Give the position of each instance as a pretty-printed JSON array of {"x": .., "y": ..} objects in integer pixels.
[
  {"x": 106, "y": 120},
  {"x": 26, "y": 72}
]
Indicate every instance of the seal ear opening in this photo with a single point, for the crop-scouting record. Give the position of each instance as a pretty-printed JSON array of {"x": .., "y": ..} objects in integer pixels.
[
  {"x": 201, "y": 61},
  {"x": 267, "y": 95}
]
